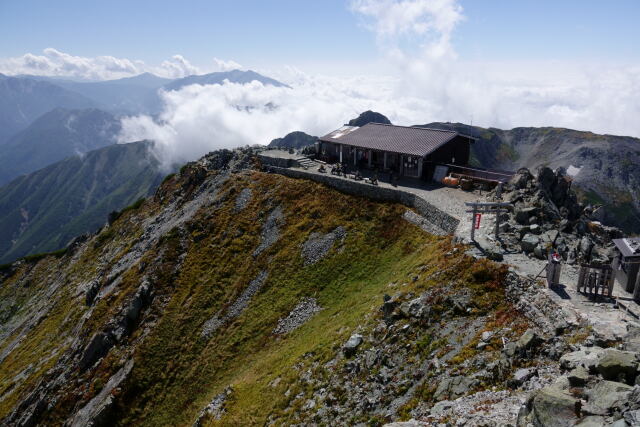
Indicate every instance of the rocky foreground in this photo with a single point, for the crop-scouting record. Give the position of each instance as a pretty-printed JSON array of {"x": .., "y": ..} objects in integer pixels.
[
  {"x": 547, "y": 216},
  {"x": 238, "y": 297}
]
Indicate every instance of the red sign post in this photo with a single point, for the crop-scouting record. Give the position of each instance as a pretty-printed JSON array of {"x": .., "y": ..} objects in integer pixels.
[{"x": 476, "y": 223}]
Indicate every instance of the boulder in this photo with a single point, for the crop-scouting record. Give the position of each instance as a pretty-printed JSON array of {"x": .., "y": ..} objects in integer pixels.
[
  {"x": 549, "y": 237},
  {"x": 98, "y": 346},
  {"x": 521, "y": 376},
  {"x": 350, "y": 347},
  {"x": 415, "y": 308},
  {"x": 634, "y": 398},
  {"x": 439, "y": 409},
  {"x": 633, "y": 417},
  {"x": 578, "y": 376},
  {"x": 388, "y": 307},
  {"x": 549, "y": 406},
  {"x": 620, "y": 423},
  {"x": 529, "y": 243},
  {"x": 487, "y": 335},
  {"x": 98, "y": 410},
  {"x": 617, "y": 364},
  {"x": 592, "y": 421},
  {"x": 510, "y": 349},
  {"x": 546, "y": 179},
  {"x": 607, "y": 396},
  {"x": 528, "y": 340},
  {"x": 521, "y": 179},
  {"x": 540, "y": 252},
  {"x": 454, "y": 387},
  {"x": 522, "y": 215},
  {"x": 586, "y": 357},
  {"x": 92, "y": 291},
  {"x": 586, "y": 245}
]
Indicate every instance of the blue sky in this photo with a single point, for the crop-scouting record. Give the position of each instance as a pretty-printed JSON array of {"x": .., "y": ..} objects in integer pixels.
[
  {"x": 502, "y": 63},
  {"x": 258, "y": 33}
]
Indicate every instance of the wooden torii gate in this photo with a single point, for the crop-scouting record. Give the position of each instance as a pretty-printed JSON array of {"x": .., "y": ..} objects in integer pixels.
[{"x": 478, "y": 208}]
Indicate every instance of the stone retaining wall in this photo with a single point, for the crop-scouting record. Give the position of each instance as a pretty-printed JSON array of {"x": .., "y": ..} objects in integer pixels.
[
  {"x": 440, "y": 219},
  {"x": 278, "y": 161}
]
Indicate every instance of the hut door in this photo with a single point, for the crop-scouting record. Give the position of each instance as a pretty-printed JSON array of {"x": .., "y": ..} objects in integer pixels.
[{"x": 411, "y": 166}]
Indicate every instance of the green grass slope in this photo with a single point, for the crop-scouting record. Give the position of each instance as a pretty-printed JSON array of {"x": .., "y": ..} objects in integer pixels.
[
  {"x": 198, "y": 268},
  {"x": 44, "y": 210}
]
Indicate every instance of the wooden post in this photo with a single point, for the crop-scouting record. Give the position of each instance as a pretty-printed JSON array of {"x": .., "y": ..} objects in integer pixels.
[
  {"x": 384, "y": 160},
  {"x": 497, "y": 224},
  {"x": 370, "y": 155},
  {"x": 473, "y": 223},
  {"x": 355, "y": 157},
  {"x": 341, "y": 149},
  {"x": 610, "y": 282},
  {"x": 581, "y": 277}
]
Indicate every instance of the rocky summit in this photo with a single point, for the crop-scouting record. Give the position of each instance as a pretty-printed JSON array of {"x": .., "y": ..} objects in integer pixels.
[
  {"x": 233, "y": 296},
  {"x": 546, "y": 214}
]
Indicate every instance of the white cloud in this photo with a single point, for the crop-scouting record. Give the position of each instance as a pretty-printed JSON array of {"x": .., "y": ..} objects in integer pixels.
[
  {"x": 429, "y": 23},
  {"x": 428, "y": 83},
  {"x": 53, "y": 62},
  {"x": 222, "y": 65},
  {"x": 176, "y": 67},
  {"x": 56, "y": 63},
  {"x": 198, "y": 119},
  {"x": 415, "y": 39}
]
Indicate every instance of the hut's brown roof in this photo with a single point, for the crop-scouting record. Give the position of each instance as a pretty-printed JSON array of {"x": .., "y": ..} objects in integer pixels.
[{"x": 414, "y": 141}]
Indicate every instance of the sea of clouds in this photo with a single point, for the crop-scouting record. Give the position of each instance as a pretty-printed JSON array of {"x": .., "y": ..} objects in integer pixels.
[{"x": 427, "y": 82}]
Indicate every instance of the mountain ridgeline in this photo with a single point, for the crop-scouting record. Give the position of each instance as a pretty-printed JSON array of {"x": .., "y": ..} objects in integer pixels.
[
  {"x": 605, "y": 168},
  {"x": 23, "y": 99},
  {"x": 237, "y": 297},
  {"x": 54, "y": 136},
  {"x": 140, "y": 94},
  {"x": 45, "y": 210},
  {"x": 44, "y": 204}
]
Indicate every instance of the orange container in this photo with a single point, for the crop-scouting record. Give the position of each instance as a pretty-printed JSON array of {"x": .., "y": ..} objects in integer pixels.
[{"x": 450, "y": 181}]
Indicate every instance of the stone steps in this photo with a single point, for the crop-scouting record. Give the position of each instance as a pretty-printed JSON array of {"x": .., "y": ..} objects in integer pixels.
[{"x": 305, "y": 161}]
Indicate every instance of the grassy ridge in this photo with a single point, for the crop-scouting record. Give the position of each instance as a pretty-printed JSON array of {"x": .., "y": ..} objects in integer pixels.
[{"x": 200, "y": 269}]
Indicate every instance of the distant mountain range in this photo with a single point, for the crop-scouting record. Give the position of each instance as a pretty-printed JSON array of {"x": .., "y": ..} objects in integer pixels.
[
  {"x": 46, "y": 209},
  {"x": 53, "y": 136},
  {"x": 139, "y": 94},
  {"x": 606, "y": 168},
  {"x": 23, "y": 99},
  {"x": 234, "y": 76},
  {"x": 131, "y": 95},
  {"x": 61, "y": 170}
]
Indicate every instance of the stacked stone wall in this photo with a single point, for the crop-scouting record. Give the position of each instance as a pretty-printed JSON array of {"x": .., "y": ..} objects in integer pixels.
[{"x": 430, "y": 212}]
